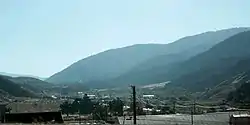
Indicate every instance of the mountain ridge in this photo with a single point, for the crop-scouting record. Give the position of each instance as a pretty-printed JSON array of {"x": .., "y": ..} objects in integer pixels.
[
  {"x": 20, "y": 75},
  {"x": 113, "y": 63},
  {"x": 218, "y": 71},
  {"x": 155, "y": 74},
  {"x": 106, "y": 55}
]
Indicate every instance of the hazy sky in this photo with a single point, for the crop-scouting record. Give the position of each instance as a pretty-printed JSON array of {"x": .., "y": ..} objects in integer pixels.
[{"x": 42, "y": 37}]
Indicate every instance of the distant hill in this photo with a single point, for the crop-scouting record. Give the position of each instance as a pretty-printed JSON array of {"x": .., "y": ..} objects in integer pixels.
[
  {"x": 20, "y": 75},
  {"x": 33, "y": 84},
  {"x": 39, "y": 87},
  {"x": 131, "y": 64},
  {"x": 8, "y": 87}
]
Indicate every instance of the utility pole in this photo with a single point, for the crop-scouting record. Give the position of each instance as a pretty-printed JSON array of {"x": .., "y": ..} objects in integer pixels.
[
  {"x": 134, "y": 104},
  {"x": 192, "y": 117},
  {"x": 193, "y": 110},
  {"x": 106, "y": 113},
  {"x": 194, "y": 107},
  {"x": 79, "y": 113},
  {"x": 174, "y": 108},
  {"x": 79, "y": 116}
]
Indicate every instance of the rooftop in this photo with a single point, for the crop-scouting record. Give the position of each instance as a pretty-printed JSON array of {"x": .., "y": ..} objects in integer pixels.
[{"x": 241, "y": 115}]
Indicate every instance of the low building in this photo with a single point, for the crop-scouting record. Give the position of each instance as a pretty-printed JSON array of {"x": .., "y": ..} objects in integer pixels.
[
  {"x": 92, "y": 96},
  {"x": 148, "y": 96},
  {"x": 34, "y": 117},
  {"x": 2, "y": 112},
  {"x": 242, "y": 119}
]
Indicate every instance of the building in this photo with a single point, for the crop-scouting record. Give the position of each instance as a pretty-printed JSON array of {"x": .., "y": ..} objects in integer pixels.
[
  {"x": 91, "y": 96},
  {"x": 2, "y": 112},
  {"x": 148, "y": 96},
  {"x": 34, "y": 117},
  {"x": 243, "y": 119}
]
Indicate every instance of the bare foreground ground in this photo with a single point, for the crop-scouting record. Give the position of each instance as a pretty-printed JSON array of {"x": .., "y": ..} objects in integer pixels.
[{"x": 221, "y": 118}]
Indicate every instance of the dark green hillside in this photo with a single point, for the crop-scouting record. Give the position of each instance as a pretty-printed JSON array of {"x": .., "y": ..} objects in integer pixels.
[{"x": 14, "y": 89}]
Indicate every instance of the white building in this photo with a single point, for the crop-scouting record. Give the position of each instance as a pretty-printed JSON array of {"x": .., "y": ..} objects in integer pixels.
[
  {"x": 242, "y": 119},
  {"x": 148, "y": 96}
]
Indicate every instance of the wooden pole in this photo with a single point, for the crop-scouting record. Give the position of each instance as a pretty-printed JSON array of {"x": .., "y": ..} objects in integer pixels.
[{"x": 134, "y": 104}]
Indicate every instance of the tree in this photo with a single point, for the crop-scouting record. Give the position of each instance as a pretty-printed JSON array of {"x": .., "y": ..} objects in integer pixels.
[
  {"x": 173, "y": 110},
  {"x": 76, "y": 105},
  {"x": 8, "y": 109},
  {"x": 165, "y": 110},
  {"x": 184, "y": 98},
  {"x": 66, "y": 108},
  {"x": 82, "y": 106},
  {"x": 116, "y": 107},
  {"x": 211, "y": 110},
  {"x": 100, "y": 112},
  {"x": 139, "y": 108},
  {"x": 148, "y": 105},
  {"x": 86, "y": 105},
  {"x": 154, "y": 112}
]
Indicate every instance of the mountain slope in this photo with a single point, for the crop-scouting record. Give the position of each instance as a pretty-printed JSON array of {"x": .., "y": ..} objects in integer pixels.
[
  {"x": 107, "y": 64},
  {"x": 216, "y": 72},
  {"x": 14, "y": 89},
  {"x": 124, "y": 64},
  {"x": 33, "y": 84},
  {"x": 166, "y": 67},
  {"x": 231, "y": 80},
  {"x": 240, "y": 95},
  {"x": 215, "y": 65},
  {"x": 188, "y": 47}
]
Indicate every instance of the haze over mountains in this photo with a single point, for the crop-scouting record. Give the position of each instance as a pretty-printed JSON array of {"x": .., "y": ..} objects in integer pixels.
[
  {"x": 212, "y": 64},
  {"x": 139, "y": 64},
  {"x": 108, "y": 64}
]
